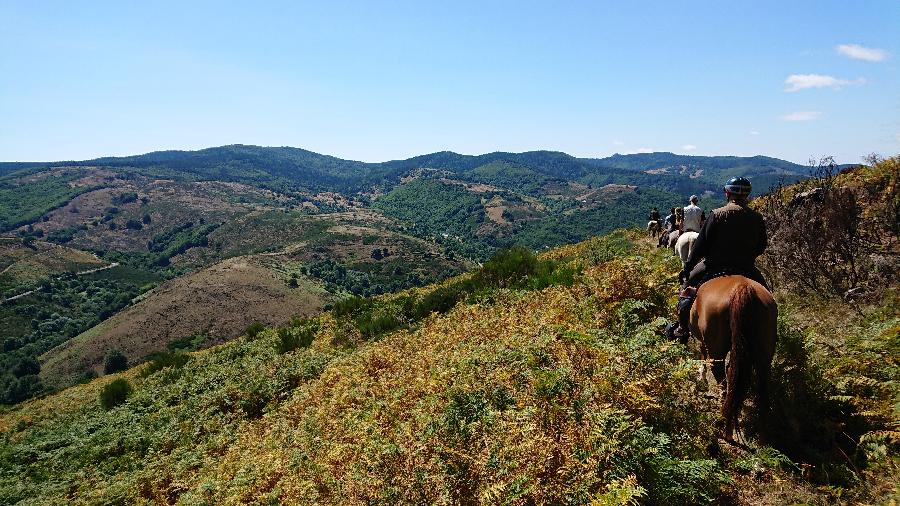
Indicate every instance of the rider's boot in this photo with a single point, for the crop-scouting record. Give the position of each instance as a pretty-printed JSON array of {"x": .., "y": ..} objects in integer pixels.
[{"x": 685, "y": 301}]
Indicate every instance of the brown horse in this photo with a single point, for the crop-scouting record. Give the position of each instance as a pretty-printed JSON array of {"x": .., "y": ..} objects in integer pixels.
[{"x": 738, "y": 315}]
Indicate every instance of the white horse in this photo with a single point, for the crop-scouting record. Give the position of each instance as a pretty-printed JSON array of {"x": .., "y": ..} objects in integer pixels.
[
  {"x": 652, "y": 228},
  {"x": 673, "y": 239},
  {"x": 685, "y": 245}
]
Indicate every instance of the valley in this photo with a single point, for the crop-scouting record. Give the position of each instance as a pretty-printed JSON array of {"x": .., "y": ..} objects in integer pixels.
[{"x": 199, "y": 245}]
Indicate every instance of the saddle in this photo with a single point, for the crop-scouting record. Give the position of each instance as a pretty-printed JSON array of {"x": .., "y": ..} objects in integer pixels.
[{"x": 718, "y": 272}]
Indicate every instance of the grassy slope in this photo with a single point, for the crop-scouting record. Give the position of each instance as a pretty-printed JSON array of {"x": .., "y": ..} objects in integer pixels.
[
  {"x": 21, "y": 265},
  {"x": 218, "y": 302},
  {"x": 564, "y": 394}
]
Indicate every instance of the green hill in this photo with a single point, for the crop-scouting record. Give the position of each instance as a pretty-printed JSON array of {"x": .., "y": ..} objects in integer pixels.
[
  {"x": 168, "y": 214},
  {"x": 528, "y": 381}
]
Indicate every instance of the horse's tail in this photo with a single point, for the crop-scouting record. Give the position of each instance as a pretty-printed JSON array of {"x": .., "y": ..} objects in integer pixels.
[{"x": 742, "y": 311}]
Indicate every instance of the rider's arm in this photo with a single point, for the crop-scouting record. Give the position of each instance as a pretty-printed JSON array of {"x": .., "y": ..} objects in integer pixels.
[{"x": 763, "y": 239}]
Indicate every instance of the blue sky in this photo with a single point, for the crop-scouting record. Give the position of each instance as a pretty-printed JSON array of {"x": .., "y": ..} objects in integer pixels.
[{"x": 376, "y": 81}]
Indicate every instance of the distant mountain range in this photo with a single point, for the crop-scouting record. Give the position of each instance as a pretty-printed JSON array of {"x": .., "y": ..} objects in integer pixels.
[
  {"x": 250, "y": 233},
  {"x": 287, "y": 167}
]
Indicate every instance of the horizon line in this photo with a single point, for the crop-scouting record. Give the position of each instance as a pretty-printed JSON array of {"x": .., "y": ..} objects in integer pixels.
[{"x": 397, "y": 159}]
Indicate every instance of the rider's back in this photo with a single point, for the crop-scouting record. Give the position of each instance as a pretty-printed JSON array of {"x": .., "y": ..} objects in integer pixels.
[
  {"x": 692, "y": 218},
  {"x": 737, "y": 236}
]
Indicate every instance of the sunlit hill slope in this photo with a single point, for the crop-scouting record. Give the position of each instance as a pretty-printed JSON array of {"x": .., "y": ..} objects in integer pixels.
[{"x": 530, "y": 380}]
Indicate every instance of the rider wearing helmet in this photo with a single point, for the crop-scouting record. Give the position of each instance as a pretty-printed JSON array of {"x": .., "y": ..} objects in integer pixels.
[{"x": 729, "y": 242}]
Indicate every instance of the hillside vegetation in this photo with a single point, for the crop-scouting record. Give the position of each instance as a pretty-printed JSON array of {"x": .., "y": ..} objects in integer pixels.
[
  {"x": 531, "y": 380},
  {"x": 347, "y": 227}
]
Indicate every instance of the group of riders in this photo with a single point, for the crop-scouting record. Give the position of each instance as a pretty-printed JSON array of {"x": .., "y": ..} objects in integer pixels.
[{"x": 728, "y": 242}]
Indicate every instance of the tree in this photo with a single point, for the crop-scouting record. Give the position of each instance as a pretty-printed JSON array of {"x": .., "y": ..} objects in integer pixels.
[
  {"x": 114, "y": 362},
  {"x": 26, "y": 366}
]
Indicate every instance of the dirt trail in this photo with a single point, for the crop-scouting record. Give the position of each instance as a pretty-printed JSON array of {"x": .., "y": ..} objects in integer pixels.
[{"x": 79, "y": 273}]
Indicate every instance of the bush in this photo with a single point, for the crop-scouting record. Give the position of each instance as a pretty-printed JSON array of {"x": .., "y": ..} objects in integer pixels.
[
  {"x": 26, "y": 366},
  {"x": 115, "y": 393},
  {"x": 374, "y": 325},
  {"x": 351, "y": 305},
  {"x": 549, "y": 273},
  {"x": 441, "y": 299},
  {"x": 254, "y": 329},
  {"x": 159, "y": 361},
  {"x": 187, "y": 343},
  {"x": 114, "y": 362},
  {"x": 508, "y": 267},
  {"x": 825, "y": 234},
  {"x": 291, "y": 338}
]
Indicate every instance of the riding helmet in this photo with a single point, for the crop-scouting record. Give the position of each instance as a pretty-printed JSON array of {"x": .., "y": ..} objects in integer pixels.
[{"x": 738, "y": 186}]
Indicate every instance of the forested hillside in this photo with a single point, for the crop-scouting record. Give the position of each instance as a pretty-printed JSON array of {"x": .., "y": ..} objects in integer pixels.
[
  {"x": 530, "y": 380},
  {"x": 320, "y": 227}
]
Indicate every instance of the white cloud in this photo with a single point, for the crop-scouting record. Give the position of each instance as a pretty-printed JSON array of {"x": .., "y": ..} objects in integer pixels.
[
  {"x": 802, "y": 116},
  {"x": 644, "y": 150},
  {"x": 689, "y": 147},
  {"x": 858, "y": 52},
  {"x": 754, "y": 132},
  {"x": 617, "y": 143},
  {"x": 797, "y": 82}
]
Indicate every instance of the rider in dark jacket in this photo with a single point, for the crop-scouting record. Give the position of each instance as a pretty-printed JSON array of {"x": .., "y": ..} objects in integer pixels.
[
  {"x": 729, "y": 241},
  {"x": 654, "y": 214},
  {"x": 670, "y": 221}
]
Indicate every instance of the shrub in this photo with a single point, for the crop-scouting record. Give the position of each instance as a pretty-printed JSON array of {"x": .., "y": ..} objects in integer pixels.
[
  {"x": 370, "y": 325},
  {"x": 291, "y": 338},
  {"x": 254, "y": 329},
  {"x": 549, "y": 273},
  {"x": 825, "y": 234},
  {"x": 440, "y": 300},
  {"x": 187, "y": 343},
  {"x": 508, "y": 267},
  {"x": 115, "y": 393},
  {"x": 87, "y": 376},
  {"x": 351, "y": 305},
  {"x": 114, "y": 362},
  {"x": 159, "y": 361}
]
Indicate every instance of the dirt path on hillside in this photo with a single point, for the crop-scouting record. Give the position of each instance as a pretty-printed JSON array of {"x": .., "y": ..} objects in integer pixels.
[{"x": 79, "y": 273}]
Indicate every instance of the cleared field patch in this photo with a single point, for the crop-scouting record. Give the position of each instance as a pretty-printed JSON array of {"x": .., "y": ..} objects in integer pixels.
[
  {"x": 24, "y": 265},
  {"x": 218, "y": 302}
]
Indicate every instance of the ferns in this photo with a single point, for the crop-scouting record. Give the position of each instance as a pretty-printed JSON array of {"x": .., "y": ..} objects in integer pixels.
[{"x": 561, "y": 395}]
